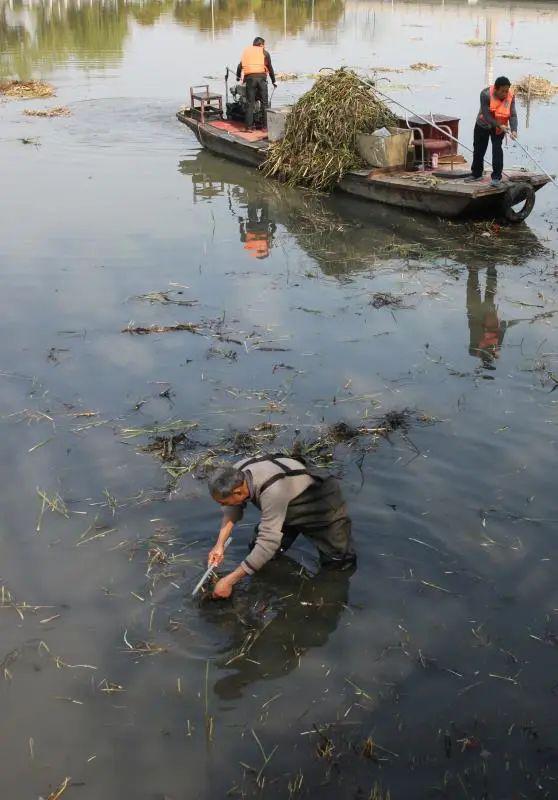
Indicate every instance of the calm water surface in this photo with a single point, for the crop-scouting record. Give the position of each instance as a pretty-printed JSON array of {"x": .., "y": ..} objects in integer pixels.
[{"x": 431, "y": 671}]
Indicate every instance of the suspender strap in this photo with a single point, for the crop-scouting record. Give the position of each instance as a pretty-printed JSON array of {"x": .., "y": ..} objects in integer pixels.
[
  {"x": 286, "y": 472},
  {"x": 257, "y": 459},
  {"x": 280, "y": 475}
]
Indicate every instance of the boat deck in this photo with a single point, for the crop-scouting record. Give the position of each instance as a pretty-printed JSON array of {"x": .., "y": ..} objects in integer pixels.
[
  {"x": 428, "y": 191},
  {"x": 400, "y": 179},
  {"x": 238, "y": 130},
  {"x": 450, "y": 185}
]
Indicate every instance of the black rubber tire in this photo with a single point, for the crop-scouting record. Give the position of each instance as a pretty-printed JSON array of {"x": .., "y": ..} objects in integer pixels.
[
  {"x": 449, "y": 175},
  {"x": 515, "y": 194}
]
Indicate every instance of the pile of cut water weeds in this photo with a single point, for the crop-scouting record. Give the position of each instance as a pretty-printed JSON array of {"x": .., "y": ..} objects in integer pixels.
[
  {"x": 536, "y": 86},
  {"x": 57, "y": 111},
  {"x": 26, "y": 90},
  {"x": 181, "y": 454},
  {"x": 320, "y": 142}
]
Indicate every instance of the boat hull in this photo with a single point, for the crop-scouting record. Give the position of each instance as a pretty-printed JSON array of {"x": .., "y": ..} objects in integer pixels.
[
  {"x": 402, "y": 189},
  {"x": 226, "y": 146}
]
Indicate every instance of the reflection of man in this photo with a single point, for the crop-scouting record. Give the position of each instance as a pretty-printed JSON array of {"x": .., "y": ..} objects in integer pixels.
[
  {"x": 273, "y": 625},
  {"x": 293, "y": 499},
  {"x": 256, "y": 231},
  {"x": 254, "y": 67},
  {"x": 486, "y": 332}
]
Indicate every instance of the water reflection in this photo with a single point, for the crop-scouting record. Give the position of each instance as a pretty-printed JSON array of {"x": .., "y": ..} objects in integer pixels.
[
  {"x": 285, "y": 613},
  {"x": 50, "y": 34},
  {"x": 257, "y": 230},
  {"x": 486, "y": 328},
  {"x": 342, "y": 234}
]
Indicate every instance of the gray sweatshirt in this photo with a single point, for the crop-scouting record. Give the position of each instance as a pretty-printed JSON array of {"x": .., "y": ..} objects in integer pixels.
[
  {"x": 485, "y": 118},
  {"x": 273, "y": 503}
]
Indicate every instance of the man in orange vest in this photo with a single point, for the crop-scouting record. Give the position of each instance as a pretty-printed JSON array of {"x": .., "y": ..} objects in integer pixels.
[
  {"x": 497, "y": 116},
  {"x": 254, "y": 67}
]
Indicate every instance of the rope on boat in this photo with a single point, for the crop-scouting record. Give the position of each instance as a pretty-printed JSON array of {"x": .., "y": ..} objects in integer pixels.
[{"x": 527, "y": 153}]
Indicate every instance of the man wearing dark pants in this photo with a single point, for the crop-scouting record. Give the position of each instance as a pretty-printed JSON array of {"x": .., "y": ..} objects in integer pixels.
[
  {"x": 497, "y": 116},
  {"x": 255, "y": 65},
  {"x": 293, "y": 499}
]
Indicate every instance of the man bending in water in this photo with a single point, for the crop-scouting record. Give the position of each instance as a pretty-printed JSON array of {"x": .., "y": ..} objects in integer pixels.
[{"x": 292, "y": 499}]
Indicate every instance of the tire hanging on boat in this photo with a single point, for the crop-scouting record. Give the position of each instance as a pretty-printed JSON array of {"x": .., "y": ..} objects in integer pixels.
[{"x": 517, "y": 193}]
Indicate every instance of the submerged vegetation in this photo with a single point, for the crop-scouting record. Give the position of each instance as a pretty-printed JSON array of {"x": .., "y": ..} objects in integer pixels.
[{"x": 181, "y": 454}]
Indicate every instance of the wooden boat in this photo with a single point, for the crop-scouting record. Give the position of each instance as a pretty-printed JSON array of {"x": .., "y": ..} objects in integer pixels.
[{"x": 426, "y": 191}]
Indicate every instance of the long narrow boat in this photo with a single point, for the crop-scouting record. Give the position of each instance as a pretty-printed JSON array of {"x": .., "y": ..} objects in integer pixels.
[{"x": 424, "y": 191}]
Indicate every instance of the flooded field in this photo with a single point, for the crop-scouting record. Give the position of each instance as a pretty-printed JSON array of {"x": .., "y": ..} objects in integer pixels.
[{"x": 429, "y": 672}]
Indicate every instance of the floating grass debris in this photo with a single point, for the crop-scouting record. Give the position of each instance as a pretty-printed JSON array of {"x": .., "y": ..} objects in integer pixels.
[
  {"x": 57, "y": 793},
  {"x": 40, "y": 444},
  {"x": 159, "y": 428},
  {"x": 325, "y": 747},
  {"x": 266, "y": 758},
  {"x": 423, "y": 66},
  {"x": 26, "y": 90},
  {"x": 108, "y": 687},
  {"x": 165, "y": 298},
  {"x": 57, "y": 111},
  {"x": 30, "y": 416},
  {"x": 321, "y": 450},
  {"x": 54, "y": 503},
  {"x": 164, "y": 447},
  {"x": 252, "y": 440},
  {"x": 319, "y": 146},
  {"x": 377, "y": 793},
  {"x": 7, "y": 600},
  {"x": 536, "y": 86},
  {"x": 221, "y": 352},
  {"x": 287, "y": 76},
  {"x": 182, "y": 454},
  {"x": 207, "y": 715},
  {"x": 9, "y": 659},
  {"x": 143, "y": 648},
  {"x": 382, "y": 299},
  {"x": 388, "y": 69},
  {"x": 476, "y": 43},
  {"x": 179, "y": 326}
]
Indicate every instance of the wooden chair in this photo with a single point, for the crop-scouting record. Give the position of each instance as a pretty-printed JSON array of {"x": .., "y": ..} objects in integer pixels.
[{"x": 202, "y": 102}]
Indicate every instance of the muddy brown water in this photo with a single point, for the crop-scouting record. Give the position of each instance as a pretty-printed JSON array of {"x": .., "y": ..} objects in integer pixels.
[{"x": 441, "y": 648}]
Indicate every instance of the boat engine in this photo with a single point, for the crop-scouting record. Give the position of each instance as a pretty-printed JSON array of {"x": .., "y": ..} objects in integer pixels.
[{"x": 236, "y": 108}]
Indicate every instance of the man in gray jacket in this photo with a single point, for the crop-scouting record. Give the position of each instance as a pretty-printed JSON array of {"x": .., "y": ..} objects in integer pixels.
[
  {"x": 497, "y": 117},
  {"x": 292, "y": 499}
]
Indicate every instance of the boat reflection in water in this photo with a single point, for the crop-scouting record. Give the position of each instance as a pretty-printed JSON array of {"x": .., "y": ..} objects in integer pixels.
[
  {"x": 341, "y": 237},
  {"x": 340, "y": 233}
]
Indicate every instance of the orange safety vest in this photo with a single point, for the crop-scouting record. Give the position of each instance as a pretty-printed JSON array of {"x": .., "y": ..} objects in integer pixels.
[
  {"x": 253, "y": 61},
  {"x": 501, "y": 109}
]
